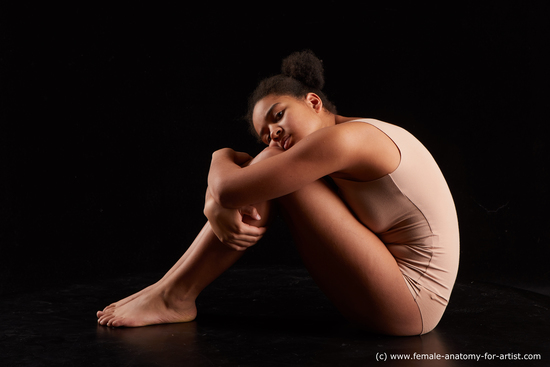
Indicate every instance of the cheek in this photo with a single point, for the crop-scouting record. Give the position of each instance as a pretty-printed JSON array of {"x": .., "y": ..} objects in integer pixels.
[{"x": 304, "y": 127}]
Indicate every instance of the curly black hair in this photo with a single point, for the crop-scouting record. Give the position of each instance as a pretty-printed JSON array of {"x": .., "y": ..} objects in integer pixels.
[{"x": 301, "y": 73}]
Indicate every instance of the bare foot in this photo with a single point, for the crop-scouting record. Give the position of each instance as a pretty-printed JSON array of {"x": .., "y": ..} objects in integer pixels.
[
  {"x": 152, "y": 306},
  {"x": 127, "y": 299}
]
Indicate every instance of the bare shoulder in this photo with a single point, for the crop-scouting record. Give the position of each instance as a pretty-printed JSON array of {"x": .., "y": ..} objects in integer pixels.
[
  {"x": 356, "y": 132},
  {"x": 371, "y": 153}
]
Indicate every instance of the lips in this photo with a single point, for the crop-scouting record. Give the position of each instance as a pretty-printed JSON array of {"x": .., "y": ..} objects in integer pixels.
[{"x": 285, "y": 143}]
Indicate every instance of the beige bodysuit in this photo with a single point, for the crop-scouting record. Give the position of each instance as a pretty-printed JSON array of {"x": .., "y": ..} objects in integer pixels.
[{"x": 413, "y": 213}]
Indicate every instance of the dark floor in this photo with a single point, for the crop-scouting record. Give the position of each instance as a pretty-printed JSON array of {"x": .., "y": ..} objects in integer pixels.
[{"x": 267, "y": 317}]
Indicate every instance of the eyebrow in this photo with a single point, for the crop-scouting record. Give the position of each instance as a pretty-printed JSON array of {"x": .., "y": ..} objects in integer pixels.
[{"x": 271, "y": 109}]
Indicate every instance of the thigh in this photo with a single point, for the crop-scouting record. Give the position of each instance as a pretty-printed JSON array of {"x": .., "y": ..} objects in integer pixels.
[{"x": 349, "y": 262}]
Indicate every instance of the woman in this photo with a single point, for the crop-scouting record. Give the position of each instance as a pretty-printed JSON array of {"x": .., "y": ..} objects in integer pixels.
[{"x": 383, "y": 247}]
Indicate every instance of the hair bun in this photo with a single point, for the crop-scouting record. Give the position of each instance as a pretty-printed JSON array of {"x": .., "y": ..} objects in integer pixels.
[{"x": 305, "y": 67}]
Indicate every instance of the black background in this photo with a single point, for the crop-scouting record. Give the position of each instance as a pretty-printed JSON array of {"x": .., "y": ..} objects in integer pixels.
[{"x": 109, "y": 116}]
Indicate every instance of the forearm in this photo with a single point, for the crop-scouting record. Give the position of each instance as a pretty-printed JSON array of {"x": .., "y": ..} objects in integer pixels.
[
  {"x": 233, "y": 184},
  {"x": 263, "y": 207}
]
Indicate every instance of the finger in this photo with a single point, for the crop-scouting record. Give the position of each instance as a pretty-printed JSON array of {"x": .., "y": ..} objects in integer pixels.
[
  {"x": 241, "y": 245},
  {"x": 241, "y": 248},
  {"x": 234, "y": 246},
  {"x": 251, "y": 211},
  {"x": 243, "y": 239},
  {"x": 250, "y": 230},
  {"x": 244, "y": 230}
]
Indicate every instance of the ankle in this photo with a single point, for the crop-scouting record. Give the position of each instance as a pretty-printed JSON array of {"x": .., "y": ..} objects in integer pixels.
[{"x": 177, "y": 295}]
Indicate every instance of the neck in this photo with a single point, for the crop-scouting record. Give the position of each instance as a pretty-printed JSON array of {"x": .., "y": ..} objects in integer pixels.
[{"x": 341, "y": 119}]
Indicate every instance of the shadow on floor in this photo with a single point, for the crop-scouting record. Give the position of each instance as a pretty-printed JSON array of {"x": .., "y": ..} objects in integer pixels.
[{"x": 267, "y": 317}]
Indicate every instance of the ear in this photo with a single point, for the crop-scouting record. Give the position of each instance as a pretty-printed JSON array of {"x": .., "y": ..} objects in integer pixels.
[{"x": 314, "y": 101}]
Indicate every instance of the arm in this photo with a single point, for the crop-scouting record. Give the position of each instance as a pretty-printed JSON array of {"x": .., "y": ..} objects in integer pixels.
[
  {"x": 346, "y": 149},
  {"x": 243, "y": 227},
  {"x": 236, "y": 228}
]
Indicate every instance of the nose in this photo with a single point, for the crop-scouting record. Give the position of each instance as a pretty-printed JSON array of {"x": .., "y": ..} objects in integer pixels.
[{"x": 276, "y": 133}]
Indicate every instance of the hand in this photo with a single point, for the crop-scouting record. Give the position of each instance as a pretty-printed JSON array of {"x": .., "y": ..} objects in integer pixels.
[{"x": 230, "y": 227}]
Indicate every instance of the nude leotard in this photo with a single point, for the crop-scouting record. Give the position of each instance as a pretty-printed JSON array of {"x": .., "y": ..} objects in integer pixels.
[{"x": 413, "y": 213}]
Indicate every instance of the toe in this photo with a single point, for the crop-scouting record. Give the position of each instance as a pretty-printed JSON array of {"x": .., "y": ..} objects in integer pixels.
[
  {"x": 105, "y": 319},
  {"x": 108, "y": 311},
  {"x": 112, "y": 322},
  {"x": 108, "y": 308}
]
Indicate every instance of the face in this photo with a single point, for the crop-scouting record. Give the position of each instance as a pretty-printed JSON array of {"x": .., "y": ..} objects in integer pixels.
[{"x": 284, "y": 120}]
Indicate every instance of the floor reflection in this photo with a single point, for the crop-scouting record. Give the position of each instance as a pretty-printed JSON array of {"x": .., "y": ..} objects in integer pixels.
[
  {"x": 193, "y": 344},
  {"x": 164, "y": 345},
  {"x": 430, "y": 349},
  {"x": 234, "y": 328}
]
